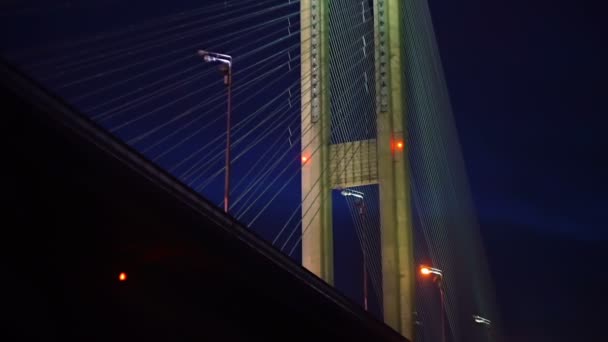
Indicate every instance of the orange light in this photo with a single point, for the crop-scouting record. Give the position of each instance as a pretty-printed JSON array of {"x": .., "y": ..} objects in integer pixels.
[
  {"x": 425, "y": 271},
  {"x": 122, "y": 276},
  {"x": 304, "y": 159},
  {"x": 400, "y": 145}
]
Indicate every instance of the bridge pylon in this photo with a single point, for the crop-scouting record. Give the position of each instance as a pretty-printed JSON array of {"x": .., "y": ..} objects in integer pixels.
[
  {"x": 317, "y": 233},
  {"x": 398, "y": 269},
  {"x": 381, "y": 161}
]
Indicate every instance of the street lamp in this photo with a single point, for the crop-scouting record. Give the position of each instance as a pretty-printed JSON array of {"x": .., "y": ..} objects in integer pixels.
[
  {"x": 226, "y": 68},
  {"x": 361, "y": 207},
  {"x": 425, "y": 270},
  {"x": 481, "y": 320},
  {"x": 352, "y": 193},
  {"x": 438, "y": 279},
  {"x": 484, "y": 323}
]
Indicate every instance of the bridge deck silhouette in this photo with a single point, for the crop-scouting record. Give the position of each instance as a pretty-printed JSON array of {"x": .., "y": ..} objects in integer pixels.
[{"x": 86, "y": 207}]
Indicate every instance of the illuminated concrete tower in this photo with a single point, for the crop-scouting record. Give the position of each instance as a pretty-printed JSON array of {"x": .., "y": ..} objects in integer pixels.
[
  {"x": 317, "y": 234},
  {"x": 398, "y": 275},
  {"x": 381, "y": 161}
]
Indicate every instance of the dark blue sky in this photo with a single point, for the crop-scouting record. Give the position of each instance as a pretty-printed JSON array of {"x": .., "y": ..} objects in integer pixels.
[
  {"x": 526, "y": 80},
  {"x": 527, "y": 83}
]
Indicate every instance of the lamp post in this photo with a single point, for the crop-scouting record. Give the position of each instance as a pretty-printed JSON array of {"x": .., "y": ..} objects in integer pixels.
[
  {"x": 484, "y": 322},
  {"x": 226, "y": 68},
  {"x": 438, "y": 279},
  {"x": 361, "y": 207}
]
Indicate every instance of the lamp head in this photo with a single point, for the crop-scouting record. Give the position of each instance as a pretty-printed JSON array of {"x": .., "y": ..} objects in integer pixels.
[
  {"x": 215, "y": 57},
  {"x": 426, "y": 270},
  {"x": 353, "y": 193},
  {"x": 481, "y": 320}
]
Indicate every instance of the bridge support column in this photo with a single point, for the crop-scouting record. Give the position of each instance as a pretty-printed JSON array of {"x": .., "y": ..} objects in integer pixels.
[
  {"x": 398, "y": 273},
  {"x": 317, "y": 232}
]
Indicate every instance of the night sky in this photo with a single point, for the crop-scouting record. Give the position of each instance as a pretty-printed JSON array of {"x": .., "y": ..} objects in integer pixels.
[{"x": 527, "y": 83}]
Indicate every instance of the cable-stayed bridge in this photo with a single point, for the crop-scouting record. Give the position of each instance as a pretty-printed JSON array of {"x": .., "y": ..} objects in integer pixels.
[{"x": 340, "y": 125}]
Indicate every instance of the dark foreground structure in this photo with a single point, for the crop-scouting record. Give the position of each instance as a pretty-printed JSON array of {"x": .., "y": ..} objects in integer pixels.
[{"x": 80, "y": 208}]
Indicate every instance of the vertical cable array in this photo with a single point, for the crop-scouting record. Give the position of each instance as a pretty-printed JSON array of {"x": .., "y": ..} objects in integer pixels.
[{"x": 443, "y": 203}]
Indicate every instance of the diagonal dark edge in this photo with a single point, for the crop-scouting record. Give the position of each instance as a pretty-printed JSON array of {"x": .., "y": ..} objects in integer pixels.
[{"x": 64, "y": 114}]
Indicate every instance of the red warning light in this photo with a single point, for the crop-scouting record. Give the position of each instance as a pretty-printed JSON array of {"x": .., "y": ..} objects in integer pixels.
[
  {"x": 304, "y": 159},
  {"x": 122, "y": 276},
  {"x": 399, "y": 145}
]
